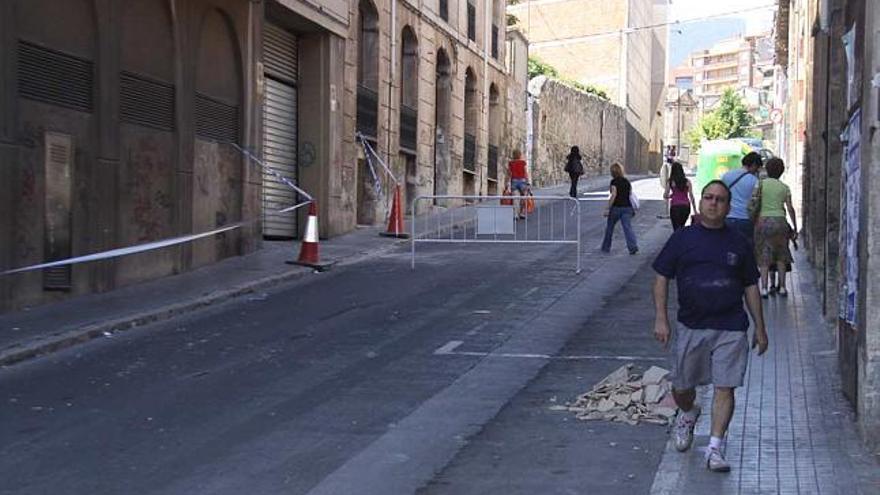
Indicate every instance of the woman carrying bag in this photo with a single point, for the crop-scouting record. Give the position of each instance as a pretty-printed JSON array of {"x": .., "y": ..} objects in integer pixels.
[
  {"x": 575, "y": 167},
  {"x": 770, "y": 201},
  {"x": 621, "y": 208}
]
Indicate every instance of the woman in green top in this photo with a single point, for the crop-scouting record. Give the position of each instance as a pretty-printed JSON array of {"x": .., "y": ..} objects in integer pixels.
[{"x": 772, "y": 231}]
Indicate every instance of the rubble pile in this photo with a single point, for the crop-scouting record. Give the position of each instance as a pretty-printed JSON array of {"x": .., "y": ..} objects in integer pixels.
[{"x": 627, "y": 397}]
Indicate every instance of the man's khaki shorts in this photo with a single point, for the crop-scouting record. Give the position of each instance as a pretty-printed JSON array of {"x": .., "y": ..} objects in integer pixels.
[{"x": 702, "y": 357}]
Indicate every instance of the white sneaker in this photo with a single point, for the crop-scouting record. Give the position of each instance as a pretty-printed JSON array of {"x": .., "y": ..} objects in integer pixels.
[
  {"x": 683, "y": 431},
  {"x": 715, "y": 461},
  {"x": 764, "y": 292}
]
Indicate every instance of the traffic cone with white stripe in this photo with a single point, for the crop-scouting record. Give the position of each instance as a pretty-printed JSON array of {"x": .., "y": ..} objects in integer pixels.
[
  {"x": 395, "y": 218},
  {"x": 308, "y": 251}
]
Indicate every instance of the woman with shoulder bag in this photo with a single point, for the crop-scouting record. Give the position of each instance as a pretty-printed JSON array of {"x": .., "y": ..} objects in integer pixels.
[
  {"x": 575, "y": 167},
  {"x": 620, "y": 208},
  {"x": 770, "y": 201}
]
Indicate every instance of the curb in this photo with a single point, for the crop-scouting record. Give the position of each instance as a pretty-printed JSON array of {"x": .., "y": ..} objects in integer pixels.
[{"x": 47, "y": 345}]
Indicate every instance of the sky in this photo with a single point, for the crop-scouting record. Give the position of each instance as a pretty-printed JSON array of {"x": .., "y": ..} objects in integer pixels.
[
  {"x": 688, "y": 37},
  {"x": 755, "y": 21}
]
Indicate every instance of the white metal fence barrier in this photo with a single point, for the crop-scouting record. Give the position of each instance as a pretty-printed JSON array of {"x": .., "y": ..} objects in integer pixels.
[{"x": 488, "y": 220}]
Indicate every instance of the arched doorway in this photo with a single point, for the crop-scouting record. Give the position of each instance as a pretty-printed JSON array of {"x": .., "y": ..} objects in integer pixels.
[
  {"x": 471, "y": 117},
  {"x": 442, "y": 123},
  {"x": 367, "y": 105},
  {"x": 409, "y": 104}
]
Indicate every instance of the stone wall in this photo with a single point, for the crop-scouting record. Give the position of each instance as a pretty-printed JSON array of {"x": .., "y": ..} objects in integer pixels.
[{"x": 563, "y": 117}]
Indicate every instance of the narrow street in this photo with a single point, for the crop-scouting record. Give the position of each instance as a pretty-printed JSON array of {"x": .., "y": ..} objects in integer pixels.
[
  {"x": 377, "y": 379},
  {"x": 283, "y": 393}
]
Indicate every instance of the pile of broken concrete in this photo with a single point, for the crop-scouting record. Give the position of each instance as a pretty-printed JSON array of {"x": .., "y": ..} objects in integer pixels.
[{"x": 626, "y": 396}]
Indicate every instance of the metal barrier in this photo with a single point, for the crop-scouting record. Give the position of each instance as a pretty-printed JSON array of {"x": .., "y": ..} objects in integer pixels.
[{"x": 486, "y": 220}]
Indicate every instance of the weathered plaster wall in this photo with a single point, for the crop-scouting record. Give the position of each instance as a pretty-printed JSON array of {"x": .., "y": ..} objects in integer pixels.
[{"x": 131, "y": 183}]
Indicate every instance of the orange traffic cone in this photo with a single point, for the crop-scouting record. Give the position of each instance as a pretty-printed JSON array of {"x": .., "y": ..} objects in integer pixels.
[
  {"x": 308, "y": 252},
  {"x": 395, "y": 218}
]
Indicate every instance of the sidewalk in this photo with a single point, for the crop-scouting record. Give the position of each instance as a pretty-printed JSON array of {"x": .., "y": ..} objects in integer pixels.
[
  {"x": 792, "y": 430},
  {"x": 51, "y": 327}
]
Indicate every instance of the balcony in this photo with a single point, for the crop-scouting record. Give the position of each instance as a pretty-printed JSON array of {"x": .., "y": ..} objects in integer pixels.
[
  {"x": 367, "y": 111},
  {"x": 408, "y": 128},
  {"x": 492, "y": 163},
  {"x": 470, "y": 153}
]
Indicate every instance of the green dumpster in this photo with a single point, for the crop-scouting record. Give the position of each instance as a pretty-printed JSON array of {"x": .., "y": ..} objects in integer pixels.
[{"x": 717, "y": 157}]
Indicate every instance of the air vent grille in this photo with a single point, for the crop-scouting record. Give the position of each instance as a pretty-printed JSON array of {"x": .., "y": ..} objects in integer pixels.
[{"x": 53, "y": 77}]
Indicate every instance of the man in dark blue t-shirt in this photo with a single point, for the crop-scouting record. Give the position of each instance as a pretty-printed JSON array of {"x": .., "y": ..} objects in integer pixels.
[{"x": 714, "y": 267}]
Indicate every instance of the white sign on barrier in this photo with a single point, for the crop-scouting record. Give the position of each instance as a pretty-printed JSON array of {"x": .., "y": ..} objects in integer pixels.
[{"x": 495, "y": 220}]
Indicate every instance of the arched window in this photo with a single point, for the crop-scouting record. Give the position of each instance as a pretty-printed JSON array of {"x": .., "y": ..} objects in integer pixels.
[
  {"x": 471, "y": 117},
  {"x": 442, "y": 123},
  {"x": 409, "y": 90},
  {"x": 494, "y": 138},
  {"x": 368, "y": 69}
]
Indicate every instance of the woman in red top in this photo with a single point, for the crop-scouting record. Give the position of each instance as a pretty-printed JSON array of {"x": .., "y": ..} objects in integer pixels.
[{"x": 519, "y": 178}]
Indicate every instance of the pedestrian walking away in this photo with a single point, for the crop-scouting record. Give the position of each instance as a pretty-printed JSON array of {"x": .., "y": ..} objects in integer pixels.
[
  {"x": 574, "y": 166},
  {"x": 679, "y": 192},
  {"x": 772, "y": 231},
  {"x": 741, "y": 183},
  {"x": 519, "y": 179},
  {"x": 715, "y": 270},
  {"x": 665, "y": 170},
  {"x": 620, "y": 209}
]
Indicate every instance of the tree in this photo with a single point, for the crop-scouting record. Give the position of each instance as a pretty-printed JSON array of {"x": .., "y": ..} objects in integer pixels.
[
  {"x": 730, "y": 120},
  {"x": 537, "y": 67}
]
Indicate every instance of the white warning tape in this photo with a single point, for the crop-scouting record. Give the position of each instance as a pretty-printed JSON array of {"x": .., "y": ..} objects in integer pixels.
[
  {"x": 116, "y": 253},
  {"x": 368, "y": 150},
  {"x": 272, "y": 171}
]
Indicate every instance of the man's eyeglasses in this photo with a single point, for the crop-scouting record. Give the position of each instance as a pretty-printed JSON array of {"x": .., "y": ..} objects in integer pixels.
[{"x": 718, "y": 198}]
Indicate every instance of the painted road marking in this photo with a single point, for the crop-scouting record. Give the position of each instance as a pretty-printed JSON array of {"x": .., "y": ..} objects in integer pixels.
[
  {"x": 448, "y": 349},
  {"x": 476, "y": 329}
]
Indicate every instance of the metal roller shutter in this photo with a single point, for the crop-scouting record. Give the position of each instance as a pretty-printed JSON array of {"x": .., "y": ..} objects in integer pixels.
[{"x": 279, "y": 130}]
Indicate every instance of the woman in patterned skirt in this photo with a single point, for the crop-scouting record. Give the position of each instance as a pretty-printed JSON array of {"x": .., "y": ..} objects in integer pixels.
[{"x": 772, "y": 231}]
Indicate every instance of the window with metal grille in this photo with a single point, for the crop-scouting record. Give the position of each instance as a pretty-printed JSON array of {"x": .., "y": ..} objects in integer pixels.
[
  {"x": 215, "y": 119},
  {"x": 470, "y": 152},
  {"x": 408, "y": 128},
  {"x": 492, "y": 163},
  {"x": 367, "y": 111},
  {"x": 444, "y": 10},
  {"x": 472, "y": 21},
  {"x": 54, "y": 77},
  {"x": 494, "y": 41},
  {"x": 147, "y": 102}
]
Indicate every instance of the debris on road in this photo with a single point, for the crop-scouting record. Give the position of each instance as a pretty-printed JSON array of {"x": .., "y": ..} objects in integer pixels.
[{"x": 626, "y": 396}]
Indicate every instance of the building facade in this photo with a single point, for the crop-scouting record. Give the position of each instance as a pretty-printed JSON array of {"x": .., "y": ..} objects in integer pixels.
[
  {"x": 126, "y": 123},
  {"x": 612, "y": 46},
  {"x": 745, "y": 64},
  {"x": 117, "y": 124},
  {"x": 830, "y": 57}
]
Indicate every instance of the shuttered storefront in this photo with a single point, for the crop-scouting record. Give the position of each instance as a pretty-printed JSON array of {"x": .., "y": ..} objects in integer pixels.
[{"x": 279, "y": 130}]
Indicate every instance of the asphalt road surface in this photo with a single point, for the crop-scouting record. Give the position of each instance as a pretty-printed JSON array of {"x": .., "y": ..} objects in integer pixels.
[{"x": 371, "y": 379}]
